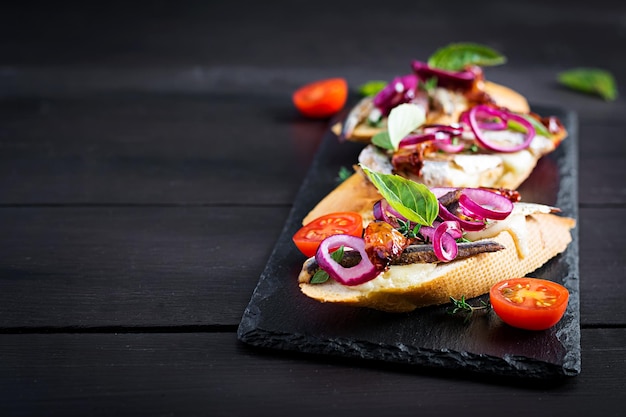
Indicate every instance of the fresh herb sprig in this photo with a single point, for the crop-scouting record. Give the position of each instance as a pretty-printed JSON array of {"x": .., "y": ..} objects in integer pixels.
[
  {"x": 406, "y": 229},
  {"x": 344, "y": 173},
  {"x": 462, "y": 306},
  {"x": 322, "y": 276}
]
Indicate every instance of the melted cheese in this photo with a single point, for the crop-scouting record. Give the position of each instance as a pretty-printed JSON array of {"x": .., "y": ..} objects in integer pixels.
[
  {"x": 400, "y": 276},
  {"x": 514, "y": 224}
]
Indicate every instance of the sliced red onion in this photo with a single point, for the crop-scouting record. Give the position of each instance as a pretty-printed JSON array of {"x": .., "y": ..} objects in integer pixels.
[
  {"x": 461, "y": 80},
  {"x": 504, "y": 115},
  {"x": 485, "y": 204},
  {"x": 443, "y": 141},
  {"x": 415, "y": 139},
  {"x": 441, "y": 135},
  {"x": 468, "y": 225},
  {"x": 364, "y": 271},
  {"x": 498, "y": 124},
  {"x": 453, "y": 129},
  {"x": 399, "y": 90},
  {"x": 444, "y": 240},
  {"x": 382, "y": 210}
]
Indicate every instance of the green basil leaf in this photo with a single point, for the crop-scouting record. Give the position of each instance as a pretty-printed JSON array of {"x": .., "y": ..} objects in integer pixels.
[
  {"x": 382, "y": 140},
  {"x": 591, "y": 81},
  {"x": 319, "y": 277},
  {"x": 338, "y": 254},
  {"x": 322, "y": 276},
  {"x": 371, "y": 88},
  {"x": 412, "y": 200},
  {"x": 457, "y": 56},
  {"x": 344, "y": 173}
]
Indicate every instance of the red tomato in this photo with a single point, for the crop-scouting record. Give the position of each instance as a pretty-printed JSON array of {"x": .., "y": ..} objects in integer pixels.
[
  {"x": 529, "y": 303},
  {"x": 309, "y": 237},
  {"x": 322, "y": 98}
]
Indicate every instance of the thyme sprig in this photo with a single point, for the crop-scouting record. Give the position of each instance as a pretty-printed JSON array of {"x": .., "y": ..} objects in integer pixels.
[
  {"x": 406, "y": 229},
  {"x": 462, "y": 306}
]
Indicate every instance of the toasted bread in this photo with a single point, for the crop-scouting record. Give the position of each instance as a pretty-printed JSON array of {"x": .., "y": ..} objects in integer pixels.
[{"x": 407, "y": 287}]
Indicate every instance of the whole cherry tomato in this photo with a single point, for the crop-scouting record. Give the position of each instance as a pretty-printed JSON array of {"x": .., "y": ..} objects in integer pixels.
[{"x": 321, "y": 99}]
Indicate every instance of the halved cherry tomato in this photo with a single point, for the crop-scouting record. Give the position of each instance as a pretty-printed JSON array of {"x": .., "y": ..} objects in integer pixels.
[
  {"x": 322, "y": 98},
  {"x": 309, "y": 237},
  {"x": 529, "y": 303}
]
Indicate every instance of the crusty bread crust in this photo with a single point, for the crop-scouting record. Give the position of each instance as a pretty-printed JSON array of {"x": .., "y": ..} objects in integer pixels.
[{"x": 548, "y": 235}]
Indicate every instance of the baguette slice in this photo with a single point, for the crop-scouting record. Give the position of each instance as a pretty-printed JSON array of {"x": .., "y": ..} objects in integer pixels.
[{"x": 405, "y": 288}]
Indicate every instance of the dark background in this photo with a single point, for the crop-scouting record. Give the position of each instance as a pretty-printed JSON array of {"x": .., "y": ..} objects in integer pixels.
[{"x": 150, "y": 154}]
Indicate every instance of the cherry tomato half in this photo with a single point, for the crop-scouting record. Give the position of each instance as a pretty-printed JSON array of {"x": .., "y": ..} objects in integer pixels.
[
  {"x": 529, "y": 303},
  {"x": 309, "y": 237},
  {"x": 322, "y": 98}
]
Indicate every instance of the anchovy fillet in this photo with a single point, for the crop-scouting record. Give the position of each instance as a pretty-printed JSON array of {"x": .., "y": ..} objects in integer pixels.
[{"x": 414, "y": 254}]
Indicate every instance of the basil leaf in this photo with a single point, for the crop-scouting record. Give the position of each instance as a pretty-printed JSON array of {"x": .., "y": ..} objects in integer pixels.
[
  {"x": 319, "y": 277},
  {"x": 343, "y": 174},
  {"x": 382, "y": 140},
  {"x": 412, "y": 200},
  {"x": 371, "y": 88},
  {"x": 590, "y": 80},
  {"x": 322, "y": 276},
  {"x": 457, "y": 56}
]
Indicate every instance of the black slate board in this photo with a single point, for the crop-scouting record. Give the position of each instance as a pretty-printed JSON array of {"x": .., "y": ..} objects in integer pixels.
[{"x": 279, "y": 316}]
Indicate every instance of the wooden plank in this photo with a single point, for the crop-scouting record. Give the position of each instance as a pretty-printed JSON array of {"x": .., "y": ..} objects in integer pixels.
[
  {"x": 135, "y": 267},
  {"x": 213, "y": 374},
  {"x": 89, "y": 267},
  {"x": 132, "y": 148},
  {"x": 203, "y": 33},
  {"x": 602, "y": 177}
]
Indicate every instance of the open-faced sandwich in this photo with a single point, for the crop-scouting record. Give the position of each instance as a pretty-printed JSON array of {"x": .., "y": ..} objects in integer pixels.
[
  {"x": 431, "y": 213},
  {"x": 444, "y": 125},
  {"x": 422, "y": 246}
]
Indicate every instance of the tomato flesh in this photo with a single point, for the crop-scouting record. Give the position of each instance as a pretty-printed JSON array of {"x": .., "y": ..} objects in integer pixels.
[
  {"x": 529, "y": 303},
  {"x": 309, "y": 237},
  {"x": 321, "y": 99}
]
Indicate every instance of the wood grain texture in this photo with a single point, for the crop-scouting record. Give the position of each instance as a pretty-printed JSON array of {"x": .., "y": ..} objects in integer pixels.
[
  {"x": 153, "y": 149},
  {"x": 144, "y": 145},
  {"x": 131, "y": 267},
  {"x": 212, "y": 374}
]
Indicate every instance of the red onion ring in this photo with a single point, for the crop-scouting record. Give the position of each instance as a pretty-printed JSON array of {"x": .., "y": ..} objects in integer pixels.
[
  {"x": 497, "y": 125},
  {"x": 443, "y": 141},
  {"x": 469, "y": 225},
  {"x": 399, "y": 90},
  {"x": 441, "y": 135},
  {"x": 362, "y": 272},
  {"x": 503, "y": 115},
  {"x": 444, "y": 243},
  {"x": 453, "y": 129},
  {"x": 415, "y": 139},
  {"x": 485, "y": 204},
  {"x": 462, "y": 80}
]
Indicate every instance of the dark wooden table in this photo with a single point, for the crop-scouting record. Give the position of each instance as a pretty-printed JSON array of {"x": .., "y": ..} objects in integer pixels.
[{"x": 150, "y": 154}]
